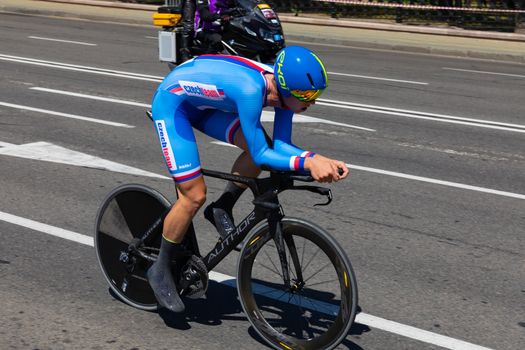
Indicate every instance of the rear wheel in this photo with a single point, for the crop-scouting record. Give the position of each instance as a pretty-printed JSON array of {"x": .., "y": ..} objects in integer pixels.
[
  {"x": 126, "y": 213},
  {"x": 317, "y": 308}
]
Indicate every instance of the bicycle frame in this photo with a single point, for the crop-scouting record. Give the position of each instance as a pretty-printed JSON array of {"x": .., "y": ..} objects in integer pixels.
[{"x": 267, "y": 207}]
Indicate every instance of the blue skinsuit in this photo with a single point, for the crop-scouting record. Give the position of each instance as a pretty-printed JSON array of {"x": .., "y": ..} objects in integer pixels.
[{"x": 217, "y": 94}]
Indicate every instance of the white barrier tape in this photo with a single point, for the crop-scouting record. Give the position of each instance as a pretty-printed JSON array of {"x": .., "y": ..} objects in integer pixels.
[{"x": 420, "y": 7}]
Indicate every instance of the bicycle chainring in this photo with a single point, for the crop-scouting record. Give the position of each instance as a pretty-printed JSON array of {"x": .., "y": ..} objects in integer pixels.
[{"x": 196, "y": 273}]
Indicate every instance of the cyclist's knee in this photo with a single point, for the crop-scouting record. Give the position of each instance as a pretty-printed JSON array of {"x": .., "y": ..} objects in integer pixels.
[
  {"x": 192, "y": 194},
  {"x": 198, "y": 199}
]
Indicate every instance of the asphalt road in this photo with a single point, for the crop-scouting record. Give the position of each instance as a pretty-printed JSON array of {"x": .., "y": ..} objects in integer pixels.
[{"x": 432, "y": 215}]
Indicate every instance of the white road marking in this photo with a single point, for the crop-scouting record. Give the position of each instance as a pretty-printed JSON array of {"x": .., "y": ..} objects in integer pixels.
[
  {"x": 92, "y": 97},
  {"x": 221, "y": 143},
  {"x": 484, "y": 72},
  {"x": 363, "y": 318},
  {"x": 65, "y": 115},
  {"x": 421, "y": 178},
  {"x": 50, "y": 230},
  {"x": 378, "y": 78},
  {"x": 56, "y": 154},
  {"x": 416, "y": 333},
  {"x": 267, "y": 116},
  {"x": 78, "y": 68},
  {"x": 90, "y": 68},
  {"x": 62, "y": 41},
  {"x": 423, "y": 115},
  {"x": 439, "y": 182}
]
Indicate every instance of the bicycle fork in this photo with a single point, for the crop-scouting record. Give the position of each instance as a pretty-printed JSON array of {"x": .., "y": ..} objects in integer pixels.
[{"x": 281, "y": 242}]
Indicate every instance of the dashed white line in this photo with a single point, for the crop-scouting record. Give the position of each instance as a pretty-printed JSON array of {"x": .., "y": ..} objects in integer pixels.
[
  {"x": 363, "y": 318},
  {"x": 61, "y": 64},
  {"x": 73, "y": 67},
  {"x": 485, "y": 72},
  {"x": 65, "y": 115},
  {"x": 378, "y": 78},
  {"x": 438, "y": 182},
  {"x": 92, "y": 97},
  {"x": 62, "y": 41},
  {"x": 443, "y": 118}
]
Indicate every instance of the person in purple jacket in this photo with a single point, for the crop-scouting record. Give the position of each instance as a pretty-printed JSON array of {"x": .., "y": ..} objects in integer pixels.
[
  {"x": 209, "y": 17},
  {"x": 223, "y": 96}
]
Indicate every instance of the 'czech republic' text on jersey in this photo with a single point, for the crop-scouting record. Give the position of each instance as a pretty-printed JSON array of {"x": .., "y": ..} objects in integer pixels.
[{"x": 217, "y": 95}]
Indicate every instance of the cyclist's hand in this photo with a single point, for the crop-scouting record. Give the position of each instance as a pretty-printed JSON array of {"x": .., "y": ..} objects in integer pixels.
[
  {"x": 325, "y": 169},
  {"x": 342, "y": 169}
]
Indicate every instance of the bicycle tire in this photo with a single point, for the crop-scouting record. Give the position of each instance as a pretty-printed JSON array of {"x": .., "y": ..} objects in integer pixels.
[
  {"x": 127, "y": 212},
  {"x": 278, "y": 314}
]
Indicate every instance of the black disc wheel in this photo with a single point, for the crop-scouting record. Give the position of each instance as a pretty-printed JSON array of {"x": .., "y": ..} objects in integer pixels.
[
  {"x": 126, "y": 213},
  {"x": 316, "y": 309}
]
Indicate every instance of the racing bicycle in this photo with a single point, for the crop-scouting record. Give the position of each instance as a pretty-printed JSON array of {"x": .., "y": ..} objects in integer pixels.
[{"x": 295, "y": 282}]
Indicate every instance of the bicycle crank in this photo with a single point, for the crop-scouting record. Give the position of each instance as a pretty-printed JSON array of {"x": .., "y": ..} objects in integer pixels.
[{"x": 193, "y": 281}]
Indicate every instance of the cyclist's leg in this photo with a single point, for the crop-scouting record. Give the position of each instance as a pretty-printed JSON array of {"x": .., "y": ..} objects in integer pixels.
[
  {"x": 226, "y": 127},
  {"x": 191, "y": 196},
  {"x": 172, "y": 120},
  {"x": 244, "y": 164}
]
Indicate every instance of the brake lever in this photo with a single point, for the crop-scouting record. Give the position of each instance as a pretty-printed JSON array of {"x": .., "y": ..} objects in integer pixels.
[{"x": 319, "y": 190}]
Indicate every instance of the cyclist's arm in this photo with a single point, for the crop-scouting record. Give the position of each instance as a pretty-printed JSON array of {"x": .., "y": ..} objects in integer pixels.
[
  {"x": 282, "y": 135},
  {"x": 321, "y": 168},
  {"x": 261, "y": 153}
]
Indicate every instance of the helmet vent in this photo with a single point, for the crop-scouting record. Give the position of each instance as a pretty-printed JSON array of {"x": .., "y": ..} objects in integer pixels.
[{"x": 311, "y": 80}]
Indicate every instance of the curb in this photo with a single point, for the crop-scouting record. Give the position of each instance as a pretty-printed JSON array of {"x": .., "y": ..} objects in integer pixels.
[
  {"x": 505, "y": 57},
  {"x": 112, "y": 4},
  {"x": 405, "y": 28}
]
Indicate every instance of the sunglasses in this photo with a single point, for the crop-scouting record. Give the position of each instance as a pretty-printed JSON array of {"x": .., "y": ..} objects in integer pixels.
[{"x": 306, "y": 95}]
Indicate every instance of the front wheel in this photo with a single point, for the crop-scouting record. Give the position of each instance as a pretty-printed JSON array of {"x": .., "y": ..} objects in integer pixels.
[{"x": 316, "y": 309}]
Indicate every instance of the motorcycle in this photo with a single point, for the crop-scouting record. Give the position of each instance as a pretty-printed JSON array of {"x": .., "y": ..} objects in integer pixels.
[{"x": 253, "y": 31}]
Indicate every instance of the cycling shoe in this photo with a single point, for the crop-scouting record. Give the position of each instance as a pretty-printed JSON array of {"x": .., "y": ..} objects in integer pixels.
[
  {"x": 161, "y": 281},
  {"x": 219, "y": 218}
]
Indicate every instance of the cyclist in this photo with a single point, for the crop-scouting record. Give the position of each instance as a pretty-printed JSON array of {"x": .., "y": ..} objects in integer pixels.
[{"x": 223, "y": 96}]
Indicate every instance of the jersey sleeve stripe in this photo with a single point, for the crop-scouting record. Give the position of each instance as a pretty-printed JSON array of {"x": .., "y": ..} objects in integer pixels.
[
  {"x": 307, "y": 154},
  {"x": 297, "y": 163},
  {"x": 232, "y": 129},
  {"x": 187, "y": 175}
]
